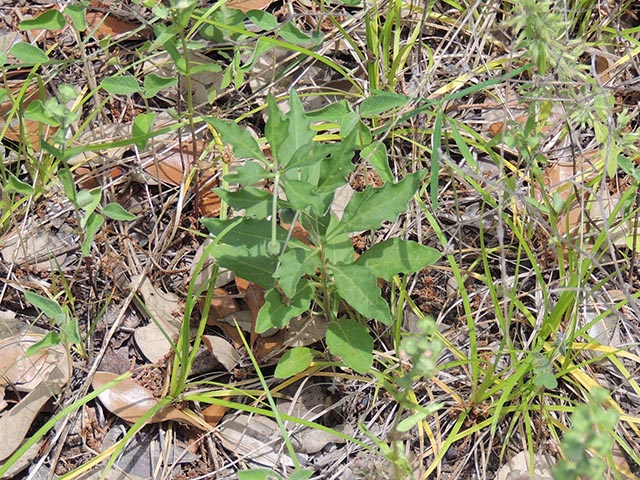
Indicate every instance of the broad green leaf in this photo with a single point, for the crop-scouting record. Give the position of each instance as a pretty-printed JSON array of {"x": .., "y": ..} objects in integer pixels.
[
  {"x": 94, "y": 222},
  {"x": 351, "y": 341},
  {"x": 368, "y": 209},
  {"x": 359, "y": 288},
  {"x": 294, "y": 361},
  {"x": 250, "y": 233},
  {"x": 302, "y": 195},
  {"x": 301, "y": 475},
  {"x": 243, "y": 143},
  {"x": 277, "y": 125},
  {"x": 299, "y": 133},
  {"x": 276, "y": 313},
  {"x": 380, "y": 101},
  {"x": 49, "y": 20},
  {"x": 77, "y": 15},
  {"x": 70, "y": 332},
  {"x": 376, "y": 155},
  {"x": 335, "y": 169},
  {"x": 115, "y": 211},
  {"x": 51, "y": 339},
  {"x": 37, "y": 112},
  {"x": 248, "y": 174},
  {"x": 545, "y": 379},
  {"x": 27, "y": 53},
  {"x": 309, "y": 154},
  {"x": 14, "y": 184},
  {"x": 264, "y": 20},
  {"x": 292, "y": 34},
  {"x": 338, "y": 249},
  {"x": 120, "y": 85},
  {"x": 394, "y": 256},
  {"x": 254, "y": 201},
  {"x": 246, "y": 264},
  {"x": 153, "y": 84},
  {"x": 141, "y": 129},
  {"x": 47, "y": 306},
  {"x": 295, "y": 263}
]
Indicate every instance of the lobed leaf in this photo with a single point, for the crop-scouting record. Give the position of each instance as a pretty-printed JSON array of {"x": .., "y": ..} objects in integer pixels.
[{"x": 368, "y": 209}]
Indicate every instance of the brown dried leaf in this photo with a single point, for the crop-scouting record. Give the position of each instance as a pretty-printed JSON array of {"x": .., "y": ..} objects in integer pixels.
[
  {"x": 223, "y": 305},
  {"x": 127, "y": 399},
  {"x": 214, "y": 413},
  {"x": 102, "y": 25},
  {"x": 246, "y": 5},
  {"x": 223, "y": 351},
  {"x": 15, "y": 423}
]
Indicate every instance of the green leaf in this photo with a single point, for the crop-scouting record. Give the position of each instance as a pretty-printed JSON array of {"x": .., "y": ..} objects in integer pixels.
[
  {"x": 359, "y": 288},
  {"x": 338, "y": 249},
  {"x": 14, "y": 184},
  {"x": 88, "y": 200},
  {"x": 37, "y": 112},
  {"x": 77, "y": 15},
  {"x": 299, "y": 133},
  {"x": 259, "y": 474},
  {"x": 411, "y": 421},
  {"x": 368, "y": 209},
  {"x": 68, "y": 184},
  {"x": 94, "y": 222},
  {"x": 254, "y": 201},
  {"x": 243, "y": 143},
  {"x": 351, "y": 341},
  {"x": 27, "y": 53},
  {"x": 251, "y": 233},
  {"x": 120, "y": 85},
  {"x": 393, "y": 256},
  {"x": 246, "y": 264},
  {"x": 376, "y": 155},
  {"x": 276, "y": 313},
  {"x": 276, "y": 125},
  {"x": 49, "y": 20},
  {"x": 302, "y": 195},
  {"x": 153, "y": 84},
  {"x": 264, "y": 20},
  {"x": 335, "y": 169},
  {"x": 380, "y": 101},
  {"x": 248, "y": 174},
  {"x": 545, "y": 379},
  {"x": 141, "y": 129},
  {"x": 115, "y": 211},
  {"x": 51, "y": 339},
  {"x": 70, "y": 332},
  {"x": 294, "y": 361},
  {"x": 47, "y": 306},
  {"x": 292, "y": 34},
  {"x": 295, "y": 263},
  {"x": 301, "y": 475}
]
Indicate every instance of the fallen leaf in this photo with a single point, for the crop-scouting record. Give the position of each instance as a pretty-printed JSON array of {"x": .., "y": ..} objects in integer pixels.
[
  {"x": 214, "y": 413},
  {"x": 223, "y": 351},
  {"x": 223, "y": 304},
  {"x": 15, "y": 423},
  {"x": 254, "y": 438},
  {"x": 246, "y": 5}
]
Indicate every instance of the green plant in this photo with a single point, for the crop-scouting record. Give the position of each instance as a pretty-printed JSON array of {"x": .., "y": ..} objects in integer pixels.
[
  {"x": 588, "y": 443},
  {"x": 322, "y": 274}
]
